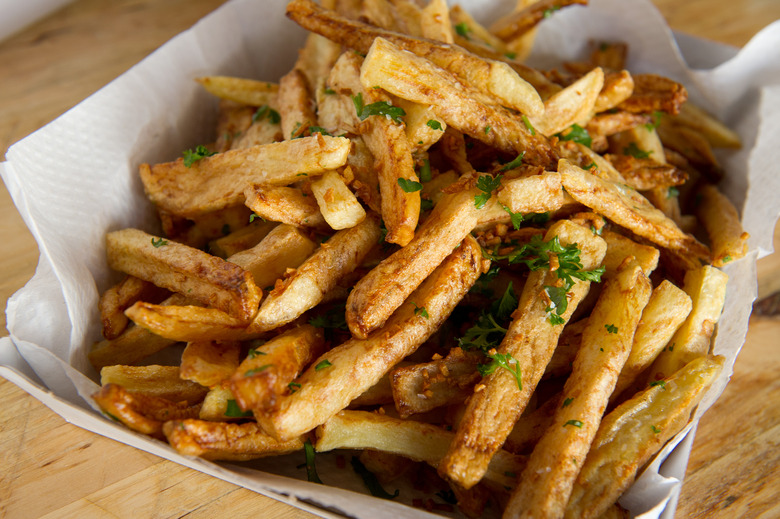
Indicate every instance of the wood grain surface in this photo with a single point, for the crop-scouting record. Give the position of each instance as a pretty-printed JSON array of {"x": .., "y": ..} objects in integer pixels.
[{"x": 49, "y": 468}]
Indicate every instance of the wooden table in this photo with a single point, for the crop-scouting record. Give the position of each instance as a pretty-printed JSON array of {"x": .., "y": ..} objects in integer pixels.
[{"x": 51, "y": 468}]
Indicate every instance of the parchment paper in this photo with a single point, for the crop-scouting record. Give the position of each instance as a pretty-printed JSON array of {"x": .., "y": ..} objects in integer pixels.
[{"x": 76, "y": 179}]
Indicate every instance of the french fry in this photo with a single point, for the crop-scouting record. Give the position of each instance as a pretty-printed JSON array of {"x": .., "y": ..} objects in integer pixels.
[
  {"x": 490, "y": 77},
  {"x": 215, "y": 405},
  {"x": 140, "y": 412},
  {"x": 628, "y": 208},
  {"x": 233, "y": 120},
  {"x": 423, "y": 127},
  {"x": 386, "y": 139},
  {"x": 707, "y": 288},
  {"x": 435, "y": 22},
  {"x": 619, "y": 248},
  {"x": 497, "y": 401},
  {"x": 338, "y": 205},
  {"x": 523, "y": 20},
  {"x": 114, "y": 301},
  {"x": 194, "y": 273},
  {"x": 189, "y": 323},
  {"x": 645, "y": 174},
  {"x": 319, "y": 274},
  {"x": 632, "y": 433},
  {"x": 613, "y": 122},
  {"x": 240, "y": 90},
  {"x": 153, "y": 381},
  {"x": 572, "y": 105},
  {"x": 209, "y": 362},
  {"x": 418, "y": 441},
  {"x": 380, "y": 292},
  {"x": 218, "y": 181},
  {"x": 225, "y": 441},
  {"x": 470, "y": 29},
  {"x": 655, "y": 93},
  {"x": 284, "y": 204},
  {"x": 242, "y": 239},
  {"x": 357, "y": 364},
  {"x": 549, "y": 477},
  {"x": 664, "y": 313},
  {"x": 263, "y": 377},
  {"x": 295, "y": 104},
  {"x": 618, "y": 86},
  {"x": 133, "y": 345},
  {"x": 417, "y": 79},
  {"x": 609, "y": 55},
  {"x": 720, "y": 219},
  {"x": 718, "y": 134}
]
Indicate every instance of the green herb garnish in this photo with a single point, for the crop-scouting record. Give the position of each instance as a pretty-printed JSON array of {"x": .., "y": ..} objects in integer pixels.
[
  {"x": 487, "y": 185},
  {"x": 514, "y": 163},
  {"x": 577, "y": 134},
  {"x": 159, "y": 242},
  {"x": 409, "y": 186},
  {"x": 611, "y": 328},
  {"x": 234, "y": 411},
  {"x": 575, "y": 423},
  {"x": 192, "y": 156},
  {"x": 379, "y": 108},
  {"x": 434, "y": 124}
]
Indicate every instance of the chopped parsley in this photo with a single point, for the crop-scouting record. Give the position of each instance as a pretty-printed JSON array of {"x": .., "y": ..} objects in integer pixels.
[
  {"x": 502, "y": 360},
  {"x": 252, "y": 353},
  {"x": 577, "y": 134},
  {"x": 611, "y": 328},
  {"x": 322, "y": 365},
  {"x": 548, "y": 12},
  {"x": 192, "y": 156},
  {"x": 463, "y": 29},
  {"x": 514, "y": 163},
  {"x": 370, "y": 480},
  {"x": 293, "y": 387},
  {"x": 319, "y": 129},
  {"x": 379, "y": 108},
  {"x": 655, "y": 429},
  {"x": 567, "y": 402},
  {"x": 434, "y": 124},
  {"x": 409, "y": 186},
  {"x": 672, "y": 192},
  {"x": 488, "y": 332},
  {"x": 159, "y": 242},
  {"x": 255, "y": 371},
  {"x": 656, "y": 121},
  {"x": 266, "y": 111},
  {"x": 254, "y": 217},
  {"x": 487, "y": 185},
  {"x": 233, "y": 410},
  {"x": 661, "y": 383},
  {"x": 311, "y": 469},
  {"x": 575, "y": 423},
  {"x": 420, "y": 310},
  {"x": 487, "y": 129},
  {"x": 511, "y": 55},
  {"x": 528, "y": 125},
  {"x": 516, "y": 218},
  {"x": 633, "y": 150}
]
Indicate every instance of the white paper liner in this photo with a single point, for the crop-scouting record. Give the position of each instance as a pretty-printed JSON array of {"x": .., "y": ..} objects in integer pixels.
[{"x": 76, "y": 179}]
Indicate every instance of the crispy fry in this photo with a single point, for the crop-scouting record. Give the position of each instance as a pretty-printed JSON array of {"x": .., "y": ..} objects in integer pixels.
[
  {"x": 153, "y": 381},
  {"x": 194, "y": 273},
  {"x": 218, "y": 181},
  {"x": 263, "y": 377},
  {"x": 523, "y": 20},
  {"x": 572, "y": 105},
  {"x": 618, "y": 86},
  {"x": 296, "y": 105},
  {"x": 242, "y": 239},
  {"x": 416, "y": 79},
  {"x": 233, "y": 120},
  {"x": 338, "y": 205},
  {"x": 114, "y": 301},
  {"x": 209, "y": 362},
  {"x": 435, "y": 22},
  {"x": 718, "y": 134},
  {"x": 133, "y": 345},
  {"x": 189, "y": 323},
  {"x": 415, "y": 440},
  {"x": 319, "y": 274},
  {"x": 619, "y": 248},
  {"x": 632, "y": 433},
  {"x": 628, "y": 208},
  {"x": 720, "y": 219},
  {"x": 492, "y": 411},
  {"x": 240, "y": 90},
  {"x": 609, "y": 55},
  {"x": 655, "y": 93},
  {"x": 550, "y": 474},
  {"x": 288, "y": 205},
  {"x": 646, "y": 173},
  {"x": 707, "y": 288},
  {"x": 140, "y": 412},
  {"x": 357, "y": 364},
  {"x": 225, "y": 441},
  {"x": 489, "y": 77}
]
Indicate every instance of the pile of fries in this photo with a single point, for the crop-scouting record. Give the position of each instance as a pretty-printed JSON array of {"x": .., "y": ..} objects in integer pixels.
[{"x": 416, "y": 247}]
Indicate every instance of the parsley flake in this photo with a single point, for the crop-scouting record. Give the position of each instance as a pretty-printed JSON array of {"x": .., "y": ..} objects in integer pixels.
[
  {"x": 505, "y": 361},
  {"x": 514, "y": 163},
  {"x": 463, "y": 29},
  {"x": 567, "y": 402},
  {"x": 515, "y": 218},
  {"x": 192, "y": 156},
  {"x": 528, "y": 125},
  {"x": 575, "y": 423},
  {"x": 379, "y": 108},
  {"x": 255, "y": 371},
  {"x": 611, "y": 328},
  {"x": 487, "y": 185},
  {"x": 322, "y": 365},
  {"x": 409, "y": 186},
  {"x": 425, "y": 171},
  {"x": 293, "y": 387},
  {"x": 233, "y": 410},
  {"x": 159, "y": 242},
  {"x": 370, "y": 480},
  {"x": 633, "y": 150},
  {"x": 420, "y": 310},
  {"x": 434, "y": 124},
  {"x": 266, "y": 111},
  {"x": 661, "y": 383},
  {"x": 577, "y": 134},
  {"x": 655, "y": 429}
]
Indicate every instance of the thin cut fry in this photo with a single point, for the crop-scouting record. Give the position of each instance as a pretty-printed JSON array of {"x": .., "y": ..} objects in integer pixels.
[
  {"x": 240, "y": 90},
  {"x": 720, "y": 219},
  {"x": 209, "y": 362}
]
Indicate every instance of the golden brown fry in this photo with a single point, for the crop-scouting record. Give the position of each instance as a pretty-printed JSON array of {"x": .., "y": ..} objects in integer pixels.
[
  {"x": 548, "y": 478},
  {"x": 114, "y": 301},
  {"x": 209, "y": 362},
  {"x": 140, "y": 412},
  {"x": 646, "y": 173},
  {"x": 233, "y": 120},
  {"x": 720, "y": 219},
  {"x": 296, "y": 105},
  {"x": 225, "y": 441},
  {"x": 618, "y": 86},
  {"x": 318, "y": 275},
  {"x": 422, "y": 387},
  {"x": 707, "y": 288},
  {"x": 288, "y": 205},
  {"x": 153, "y": 381},
  {"x": 523, "y": 20},
  {"x": 609, "y": 55},
  {"x": 435, "y": 22},
  {"x": 218, "y": 181},
  {"x": 629, "y": 209},
  {"x": 263, "y": 377},
  {"x": 490, "y": 77},
  {"x": 572, "y": 105},
  {"x": 416, "y": 79},
  {"x": 380, "y": 292},
  {"x": 240, "y": 90},
  {"x": 358, "y": 364},
  {"x": 630, "y": 435},
  {"x": 718, "y": 134},
  {"x": 619, "y": 248},
  {"x": 473, "y": 31},
  {"x": 133, "y": 345},
  {"x": 386, "y": 139},
  {"x": 242, "y": 239},
  {"x": 666, "y": 310},
  {"x": 613, "y": 122},
  {"x": 189, "y": 323},
  {"x": 655, "y": 93},
  {"x": 191, "y": 272},
  {"x": 338, "y": 205},
  {"x": 418, "y": 441},
  {"x": 498, "y": 401}
]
